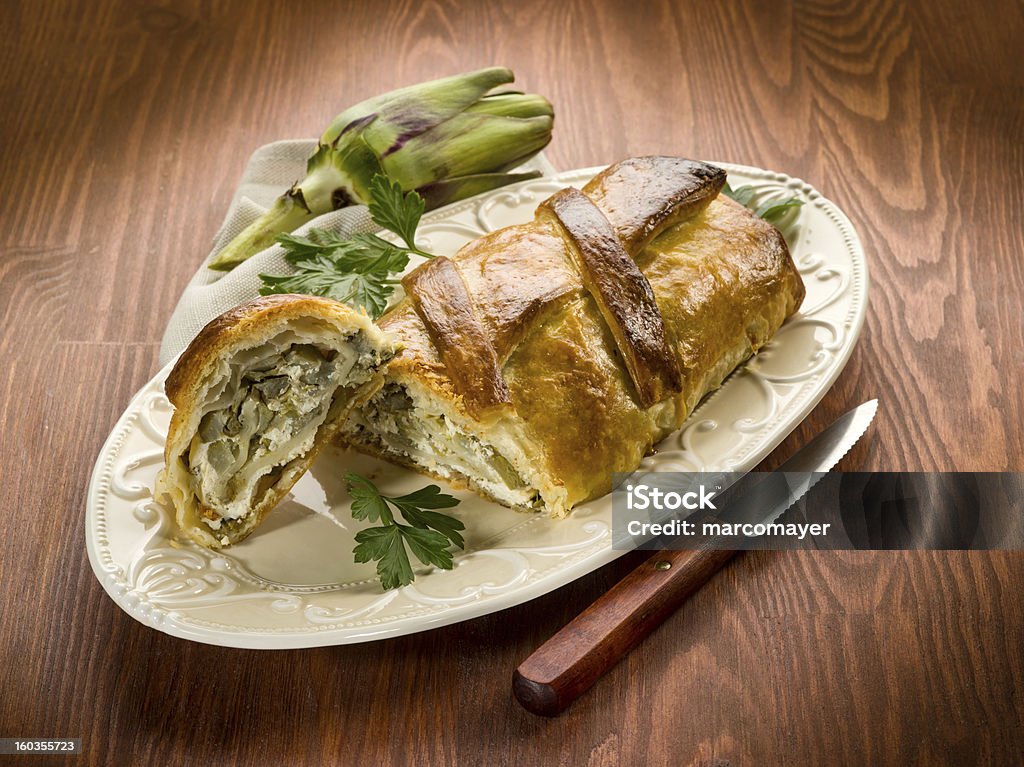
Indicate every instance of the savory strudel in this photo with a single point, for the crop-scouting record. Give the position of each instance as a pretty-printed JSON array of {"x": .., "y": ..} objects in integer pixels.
[
  {"x": 256, "y": 395},
  {"x": 529, "y": 366},
  {"x": 541, "y": 358}
]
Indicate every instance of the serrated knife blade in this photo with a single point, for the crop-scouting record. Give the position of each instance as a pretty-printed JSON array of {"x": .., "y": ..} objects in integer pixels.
[{"x": 780, "y": 489}]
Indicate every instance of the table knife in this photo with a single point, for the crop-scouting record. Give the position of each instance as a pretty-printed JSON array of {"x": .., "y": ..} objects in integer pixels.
[{"x": 569, "y": 663}]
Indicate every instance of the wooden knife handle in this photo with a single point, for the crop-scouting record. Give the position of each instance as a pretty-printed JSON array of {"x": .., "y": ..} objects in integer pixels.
[{"x": 566, "y": 666}]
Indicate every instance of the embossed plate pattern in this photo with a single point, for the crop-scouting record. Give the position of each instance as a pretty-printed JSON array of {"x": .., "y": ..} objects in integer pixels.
[{"x": 293, "y": 582}]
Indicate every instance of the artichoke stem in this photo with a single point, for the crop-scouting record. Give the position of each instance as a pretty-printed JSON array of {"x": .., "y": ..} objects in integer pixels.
[{"x": 285, "y": 215}]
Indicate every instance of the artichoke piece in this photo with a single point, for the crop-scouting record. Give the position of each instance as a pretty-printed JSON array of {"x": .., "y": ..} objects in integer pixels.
[{"x": 447, "y": 139}]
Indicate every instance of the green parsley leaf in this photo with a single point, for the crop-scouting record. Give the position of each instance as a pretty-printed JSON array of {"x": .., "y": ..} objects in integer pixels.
[
  {"x": 414, "y": 509},
  {"x": 376, "y": 542},
  {"x": 773, "y": 210},
  {"x": 447, "y": 526},
  {"x": 430, "y": 547},
  {"x": 427, "y": 534},
  {"x": 367, "y": 503},
  {"x": 319, "y": 277},
  {"x": 386, "y": 547},
  {"x": 357, "y": 270},
  {"x": 429, "y": 497},
  {"x": 368, "y": 252},
  {"x": 744, "y": 195},
  {"x": 395, "y": 211},
  {"x": 300, "y": 248}
]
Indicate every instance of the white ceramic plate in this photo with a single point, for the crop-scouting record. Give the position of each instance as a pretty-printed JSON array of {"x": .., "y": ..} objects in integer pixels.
[{"x": 293, "y": 583}]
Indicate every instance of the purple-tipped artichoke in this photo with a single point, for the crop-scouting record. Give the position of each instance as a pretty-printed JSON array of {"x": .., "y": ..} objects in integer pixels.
[{"x": 447, "y": 139}]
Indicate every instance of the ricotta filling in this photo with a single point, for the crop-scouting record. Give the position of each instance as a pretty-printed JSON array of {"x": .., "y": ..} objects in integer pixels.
[
  {"x": 414, "y": 432},
  {"x": 266, "y": 415}
]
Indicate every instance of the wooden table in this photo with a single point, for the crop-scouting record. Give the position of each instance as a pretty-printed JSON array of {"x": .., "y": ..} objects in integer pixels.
[{"x": 125, "y": 127}]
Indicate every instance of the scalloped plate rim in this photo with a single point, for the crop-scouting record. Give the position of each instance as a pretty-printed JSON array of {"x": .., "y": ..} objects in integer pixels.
[{"x": 265, "y": 639}]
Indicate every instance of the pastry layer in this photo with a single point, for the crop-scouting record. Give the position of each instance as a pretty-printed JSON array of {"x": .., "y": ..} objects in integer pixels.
[
  {"x": 723, "y": 282},
  {"x": 256, "y": 395}
]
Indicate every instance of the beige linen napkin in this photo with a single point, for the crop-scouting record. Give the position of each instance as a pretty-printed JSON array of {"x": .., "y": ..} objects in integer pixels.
[{"x": 271, "y": 170}]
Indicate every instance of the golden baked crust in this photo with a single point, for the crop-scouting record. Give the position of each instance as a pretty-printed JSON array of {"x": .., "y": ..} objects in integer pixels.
[
  {"x": 549, "y": 355},
  {"x": 206, "y": 362},
  {"x": 723, "y": 281},
  {"x": 622, "y": 294},
  {"x": 439, "y": 294},
  {"x": 240, "y": 324}
]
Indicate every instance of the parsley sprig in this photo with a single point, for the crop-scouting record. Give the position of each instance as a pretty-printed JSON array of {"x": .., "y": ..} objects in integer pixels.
[
  {"x": 396, "y": 211},
  {"x": 772, "y": 210},
  {"x": 358, "y": 270},
  {"x": 427, "y": 534}
]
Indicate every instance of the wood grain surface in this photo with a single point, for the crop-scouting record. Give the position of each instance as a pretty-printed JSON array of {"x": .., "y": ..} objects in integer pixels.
[{"x": 126, "y": 124}]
